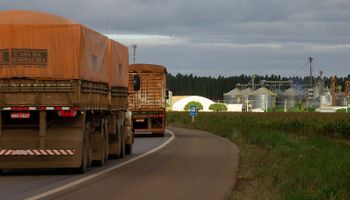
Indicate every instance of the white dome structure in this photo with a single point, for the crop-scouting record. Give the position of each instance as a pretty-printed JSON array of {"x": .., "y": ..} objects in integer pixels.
[{"x": 180, "y": 104}]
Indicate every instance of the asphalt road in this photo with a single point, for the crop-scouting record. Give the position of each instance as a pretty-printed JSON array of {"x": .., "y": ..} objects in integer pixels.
[
  {"x": 195, "y": 165},
  {"x": 21, "y": 184}
]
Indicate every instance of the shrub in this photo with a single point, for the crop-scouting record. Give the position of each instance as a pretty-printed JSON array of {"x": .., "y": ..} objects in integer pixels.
[
  {"x": 198, "y": 105},
  {"x": 218, "y": 107},
  {"x": 296, "y": 109},
  {"x": 275, "y": 109},
  {"x": 343, "y": 110},
  {"x": 310, "y": 109}
]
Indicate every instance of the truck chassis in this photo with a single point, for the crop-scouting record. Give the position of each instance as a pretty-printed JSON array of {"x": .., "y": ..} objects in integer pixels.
[{"x": 62, "y": 124}]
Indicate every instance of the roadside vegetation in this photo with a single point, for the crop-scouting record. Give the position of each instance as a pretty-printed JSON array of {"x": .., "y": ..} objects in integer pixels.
[
  {"x": 198, "y": 105},
  {"x": 218, "y": 107},
  {"x": 284, "y": 155}
]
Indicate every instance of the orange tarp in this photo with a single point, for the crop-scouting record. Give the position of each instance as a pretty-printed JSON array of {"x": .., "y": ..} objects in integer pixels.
[
  {"x": 44, "y": 46},
  {"x": 119, "y": 60},
  {"x": 147, "y": 68}
]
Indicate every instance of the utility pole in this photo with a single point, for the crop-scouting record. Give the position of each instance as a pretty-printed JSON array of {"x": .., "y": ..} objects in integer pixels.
[
  {"x": 322, "y": 83},
  {"x": 310, "y": 90},
  {"x": 310, "y": 60},
  {"x": 333, "y": 90}
]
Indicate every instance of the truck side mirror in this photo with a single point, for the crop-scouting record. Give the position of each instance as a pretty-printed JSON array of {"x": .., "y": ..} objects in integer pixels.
[
  {"x": 167, "y": 94},
  {"x": 136, "y": 82}
]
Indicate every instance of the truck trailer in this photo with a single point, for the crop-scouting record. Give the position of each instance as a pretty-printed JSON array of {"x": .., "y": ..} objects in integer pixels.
[
  {"x": 147, "y": 98},
  {"x": 63, "y": 94}
]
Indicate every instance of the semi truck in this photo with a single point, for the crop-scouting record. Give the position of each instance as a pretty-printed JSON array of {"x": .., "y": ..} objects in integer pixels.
[
  {"x": 147, "y": 98},
  {"x": 63, "y": 94}
]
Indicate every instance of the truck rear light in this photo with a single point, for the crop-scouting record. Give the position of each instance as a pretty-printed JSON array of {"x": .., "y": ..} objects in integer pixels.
[
  {"x": 44, "y": 108},
  {"x": 40, "y": 108},
  {"x": 20, "y": 115},
  {"x": 67, "y": 113},
  {"x": 158, "y": 115},
  {"x": 50, "y": 108},
  {"x": 58, "y": 108}
]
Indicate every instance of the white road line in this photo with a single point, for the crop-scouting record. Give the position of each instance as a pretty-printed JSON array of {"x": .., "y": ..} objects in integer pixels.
[{"x": 74, "y": 183}]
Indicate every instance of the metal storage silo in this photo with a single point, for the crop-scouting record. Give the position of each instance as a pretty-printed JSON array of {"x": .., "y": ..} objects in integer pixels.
[
  {"x": 291, "y": 97},
  {"x": 233, "y": 96},
  {"x": 245, "y": 94},
  {"x": 263, "y": 99}
]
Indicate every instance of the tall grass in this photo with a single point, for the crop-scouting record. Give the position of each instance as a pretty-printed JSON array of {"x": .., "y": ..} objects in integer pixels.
[
  {"x": 285, "y": 156},
  {"x": 330, "y": 124}
]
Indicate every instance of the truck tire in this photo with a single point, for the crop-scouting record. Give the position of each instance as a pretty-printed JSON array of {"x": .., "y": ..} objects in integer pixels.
[
  {"x": 122, "y": 143},
  {"x": 158, "y": 134},
  {"x": 101, "y": 162},
  {"x": 128, "y": 149},
  {"x": 104, "y": 151},
  {"x": 106, "y": 141},
  {"x": 85, "y": 160}
]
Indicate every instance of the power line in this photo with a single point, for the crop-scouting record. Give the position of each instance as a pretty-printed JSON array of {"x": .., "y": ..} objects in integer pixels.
[{"x": 302, "y": 68}]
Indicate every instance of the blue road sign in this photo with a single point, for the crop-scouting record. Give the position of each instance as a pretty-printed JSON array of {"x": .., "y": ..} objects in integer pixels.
[{"x": 193, "y": 111}]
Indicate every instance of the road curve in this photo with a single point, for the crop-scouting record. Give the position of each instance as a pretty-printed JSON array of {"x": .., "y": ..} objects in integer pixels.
[{"x": 196, "y": 165}]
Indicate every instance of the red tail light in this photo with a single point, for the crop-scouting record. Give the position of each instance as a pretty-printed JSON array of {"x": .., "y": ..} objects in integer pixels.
[
  {"x": 158, "y": 115},
  {"x": 67, "y": 113}
]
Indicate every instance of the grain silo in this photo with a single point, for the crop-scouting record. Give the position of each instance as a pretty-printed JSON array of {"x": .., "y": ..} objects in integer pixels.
[
  {"x": 245, "y": 93},
  {"x": 233, "y": 96},
  {"x": 290, "y": 97},
  {"x": 262, "y": 99}
]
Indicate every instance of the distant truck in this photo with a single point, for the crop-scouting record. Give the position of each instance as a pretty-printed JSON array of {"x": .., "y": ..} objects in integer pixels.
[
  {"x": 147, "y": 98},
  {"x": 63, "y": 94}
]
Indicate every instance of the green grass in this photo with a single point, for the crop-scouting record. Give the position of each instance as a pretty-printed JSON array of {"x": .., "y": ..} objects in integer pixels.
[{"x": 284, "y": 156}]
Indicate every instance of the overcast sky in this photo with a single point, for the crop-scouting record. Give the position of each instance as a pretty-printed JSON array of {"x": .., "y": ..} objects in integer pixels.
[{"x": 219, "y": 37}]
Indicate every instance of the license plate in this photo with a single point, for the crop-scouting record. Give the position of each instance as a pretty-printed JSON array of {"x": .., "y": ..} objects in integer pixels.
[
  {"x": 20, "y": 115},
  {"x": 140, "y": 120}
]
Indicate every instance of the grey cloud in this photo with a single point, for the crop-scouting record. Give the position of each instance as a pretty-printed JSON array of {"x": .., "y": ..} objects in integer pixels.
[{"x": 302, "y": 28}]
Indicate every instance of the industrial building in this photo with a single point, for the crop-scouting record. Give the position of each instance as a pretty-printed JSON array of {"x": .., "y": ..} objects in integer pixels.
[{"x": 284, "y": 95}]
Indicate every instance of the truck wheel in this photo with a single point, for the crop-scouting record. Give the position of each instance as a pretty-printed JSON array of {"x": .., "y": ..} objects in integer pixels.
[
  {"x": 117, "y": 145},
  {"x": 104, "y": 151},
  {"x": 106, "y": 141},
  {"x": 85, "y": 162},
  {"x": 102, "y": 161},
  {"x": 122, "y": 144},
  {"x": 158, "y": 134},
  {"x": 128, "y": 149}
]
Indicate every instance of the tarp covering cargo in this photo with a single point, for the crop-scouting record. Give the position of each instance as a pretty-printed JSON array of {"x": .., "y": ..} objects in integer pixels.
[
  {"x": 147, "y": 68},
  {"x": 37, "y": 45}
]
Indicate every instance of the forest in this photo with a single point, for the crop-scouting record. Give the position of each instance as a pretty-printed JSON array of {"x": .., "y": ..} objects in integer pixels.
[{"x": 214, "y": 87}]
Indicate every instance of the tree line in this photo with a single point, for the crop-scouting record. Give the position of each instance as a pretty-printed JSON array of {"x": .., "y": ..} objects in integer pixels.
[{"x": 214, "y": 87}]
